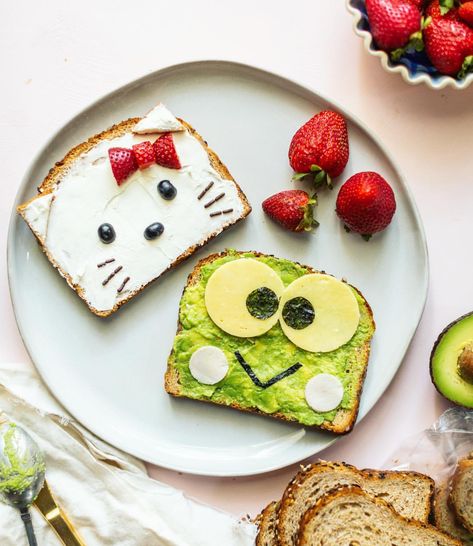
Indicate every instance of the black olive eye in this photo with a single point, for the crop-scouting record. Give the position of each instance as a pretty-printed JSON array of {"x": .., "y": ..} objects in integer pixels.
[
  {"x": 153, "y": 231},
  {"x": 167, "y": 190},
  {"x": 262, "y": 303},
  {"x": 298, "y": 313},
  {"x": 106, "y": 233}
]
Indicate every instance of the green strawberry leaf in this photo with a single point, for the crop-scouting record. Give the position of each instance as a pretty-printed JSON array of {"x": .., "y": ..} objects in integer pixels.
[
  {"x": 415, "y": 43},
  {"x": 396, "y": 54},
  {"x": 315, "y": 168},
  {"x": 319, "y": 178},
  {"x": 446, "y": 6},
  {"x": 299, "y": 176},
  {"x": 308, "y": 222},
  {"x": 467, "y": 67},
  {"x": 425, "y": 22}
]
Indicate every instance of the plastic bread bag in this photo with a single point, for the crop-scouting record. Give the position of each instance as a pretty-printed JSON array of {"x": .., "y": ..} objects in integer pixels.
[{"x": 437, "y": 450}]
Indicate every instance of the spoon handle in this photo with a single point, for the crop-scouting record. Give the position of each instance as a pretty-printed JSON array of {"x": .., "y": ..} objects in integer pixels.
[{"x": 26, "y": 517}]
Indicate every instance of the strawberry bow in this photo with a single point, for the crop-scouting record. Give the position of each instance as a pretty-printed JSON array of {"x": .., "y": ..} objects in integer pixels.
[{"x": 125, "y": 161}]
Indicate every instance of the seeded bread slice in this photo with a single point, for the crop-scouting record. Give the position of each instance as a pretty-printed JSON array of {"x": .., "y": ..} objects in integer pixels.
[
  {"x": 345, "y": 418},
  {"x": 267, "y": 529},
  {"x": 445, "y": 519},
  {"x": 409, "y": 493},
  {"x": 351, "y": 517},
  {"x": 461, "y": 496},
  {"x": 62, "y": 167}
]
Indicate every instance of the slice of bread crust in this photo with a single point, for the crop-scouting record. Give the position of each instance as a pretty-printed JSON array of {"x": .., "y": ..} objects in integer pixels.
[
  {"x": 350, "y": 516},
  {"x": 410, "y": 493},
  {"x": 60, "y": 169},
  {"x": 461, "y": 496},
  {"x": 445, "y": 519},
  {"x": 344, "y": 420},
  {"x": 266, "y": 521}
]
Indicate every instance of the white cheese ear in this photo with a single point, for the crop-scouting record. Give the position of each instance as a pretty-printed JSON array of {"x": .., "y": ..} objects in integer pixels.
[
  {"x": 158, "y": 120},
  {"x": 36, "y": 214}
]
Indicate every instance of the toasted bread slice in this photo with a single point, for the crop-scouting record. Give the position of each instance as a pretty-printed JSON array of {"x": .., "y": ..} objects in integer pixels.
[
  {"x": 461, "y": 496},
  {"x": 349, "y": 516},
  {"x": 267, "y": 525},
  {"x": 350, "y": 360},
  {"x": 64, "y": 216},
  {"x": 445, "y": 519},
  {"x": 409, "y": 493}
]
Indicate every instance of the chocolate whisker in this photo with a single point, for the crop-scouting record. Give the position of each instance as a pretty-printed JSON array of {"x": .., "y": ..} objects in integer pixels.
[
  {"x": 122, "y": 286},
  {"x": 112, "y": 274},
  {"x": 204, "y": 191},
  {"x": 219, "y": 212},
  {"x": 214, "y": 200},
  {"x": 106, "y": 262}
]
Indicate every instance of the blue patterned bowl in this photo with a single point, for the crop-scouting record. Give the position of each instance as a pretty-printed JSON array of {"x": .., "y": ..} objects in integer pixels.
[{"x": 414, "y": 68}]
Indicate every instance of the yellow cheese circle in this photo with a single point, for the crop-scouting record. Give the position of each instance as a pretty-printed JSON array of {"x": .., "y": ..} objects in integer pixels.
[
  {"x": 227, "y": 290},
  {"x": 336, "y": 313}
]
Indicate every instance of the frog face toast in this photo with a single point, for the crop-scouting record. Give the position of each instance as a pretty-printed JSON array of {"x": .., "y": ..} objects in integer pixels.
[
  {"x": 125, "y": 206},
  {"x": 267, "y": 335}
]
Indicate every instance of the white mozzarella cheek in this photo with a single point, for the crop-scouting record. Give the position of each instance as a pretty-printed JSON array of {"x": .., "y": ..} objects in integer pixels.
[
  {"x": 324, "y": 392},
  {"x": 208, "y": 365}
]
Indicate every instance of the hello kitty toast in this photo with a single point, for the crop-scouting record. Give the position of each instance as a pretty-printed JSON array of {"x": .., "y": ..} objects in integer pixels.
[{"x": 129, "y": 204}]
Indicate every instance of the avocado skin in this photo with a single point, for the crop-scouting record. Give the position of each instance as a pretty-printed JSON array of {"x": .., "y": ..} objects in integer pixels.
[{"x": 439, "y": 339}]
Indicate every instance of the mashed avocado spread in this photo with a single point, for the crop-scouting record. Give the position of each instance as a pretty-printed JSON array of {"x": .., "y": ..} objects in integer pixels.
[
  {"x": 268, "y": 354},
  {"x": 16, "y": 474}
]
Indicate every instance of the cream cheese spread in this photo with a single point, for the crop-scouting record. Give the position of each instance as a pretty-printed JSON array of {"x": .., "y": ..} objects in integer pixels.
[{"x": 66, "y": 221}]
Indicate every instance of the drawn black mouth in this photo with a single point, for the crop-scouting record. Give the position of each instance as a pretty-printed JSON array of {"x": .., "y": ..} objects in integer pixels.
[{"x": 248, "y": 369}]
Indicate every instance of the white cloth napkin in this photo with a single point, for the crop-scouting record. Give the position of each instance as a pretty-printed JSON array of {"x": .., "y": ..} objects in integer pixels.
[{"x": 106, "y": 493}]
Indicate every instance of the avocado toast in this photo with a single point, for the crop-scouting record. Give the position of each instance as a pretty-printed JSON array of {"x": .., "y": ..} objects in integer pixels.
[{"x": 274, "y": 369}]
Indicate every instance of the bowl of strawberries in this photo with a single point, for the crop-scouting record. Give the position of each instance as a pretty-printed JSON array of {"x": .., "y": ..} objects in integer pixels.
[{"x": 426, "y": 41}]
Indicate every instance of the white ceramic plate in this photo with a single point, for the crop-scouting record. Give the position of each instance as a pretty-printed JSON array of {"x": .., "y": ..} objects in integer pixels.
[{"x": 109, "y": 373}]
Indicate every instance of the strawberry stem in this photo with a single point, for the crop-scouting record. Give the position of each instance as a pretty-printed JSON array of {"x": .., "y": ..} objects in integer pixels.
[{"x": 366, "y": 236}]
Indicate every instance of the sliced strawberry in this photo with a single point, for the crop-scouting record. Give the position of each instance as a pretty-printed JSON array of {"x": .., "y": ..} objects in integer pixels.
[
  {"x": 144, "y": 154},
  {"x": 165, "y": 152},
  {"x": 123, "y": 163}
]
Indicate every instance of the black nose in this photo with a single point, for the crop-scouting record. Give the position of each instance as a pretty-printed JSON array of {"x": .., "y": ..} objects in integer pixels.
[
  {"x": 106, "y": 233},
  {"x": 153, "y": 231},
  {"x": 167, "y": 190}
]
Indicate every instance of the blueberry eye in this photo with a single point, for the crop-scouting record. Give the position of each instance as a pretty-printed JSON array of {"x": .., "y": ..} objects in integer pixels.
[
  {"x": 106, "y": 233},
  {"x": 153, "y": 231},
  {"x": 167, "y": 190}
]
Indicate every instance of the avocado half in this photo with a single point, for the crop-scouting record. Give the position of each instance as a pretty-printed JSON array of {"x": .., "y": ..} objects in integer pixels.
[{"x": 451, "y": 362}]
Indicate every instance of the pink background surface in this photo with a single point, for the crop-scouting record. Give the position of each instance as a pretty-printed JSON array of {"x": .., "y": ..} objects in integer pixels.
[{"x": 56, "y": 57}]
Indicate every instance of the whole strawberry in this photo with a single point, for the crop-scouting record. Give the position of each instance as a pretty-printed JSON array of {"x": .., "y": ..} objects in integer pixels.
[
  {"x": 465, "y": 12},
  {"x": 449, "y": 45},
  {"x": 435, "y": 10},
  {"x": 292, "y": 209},
  {"x": 419, "y": 4},
  {"x": 320, "y": 147},
  {"x": 165, "y": 152},
  {"x": 366, "y": 203},
  {"x": 394, "y": 23}
]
